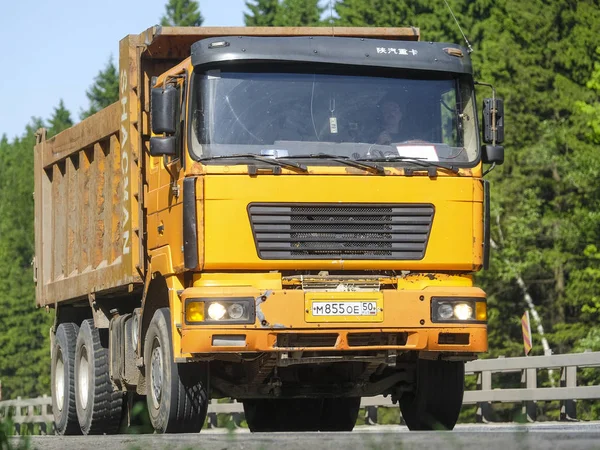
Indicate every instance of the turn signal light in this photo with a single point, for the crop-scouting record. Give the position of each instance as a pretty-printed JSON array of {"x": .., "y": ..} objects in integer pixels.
[{"x": 194, "y": 312}]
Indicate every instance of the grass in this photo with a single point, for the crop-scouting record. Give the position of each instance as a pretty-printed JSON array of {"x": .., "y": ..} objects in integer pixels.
[{"x": 7, "y": 441}]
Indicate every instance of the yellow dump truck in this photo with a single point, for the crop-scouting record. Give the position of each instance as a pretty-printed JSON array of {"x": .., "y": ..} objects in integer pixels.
[{"x": 290, "y": 217}]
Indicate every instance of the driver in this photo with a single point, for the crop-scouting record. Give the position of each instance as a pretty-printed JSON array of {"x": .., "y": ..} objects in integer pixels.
[{"x": 392, "y": 122}]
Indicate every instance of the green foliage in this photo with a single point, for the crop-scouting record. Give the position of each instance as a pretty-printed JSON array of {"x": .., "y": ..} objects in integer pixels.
[
  {"x": 182, "y": 13},
  {"x": 60, "y": 120},
  {"x": 283, "y": 13},
  {"x": 104, "y": 91},
  {"x": 24, "y": 335},
  {"x": 295, "y": 13},
  {"x": 7, "y": 442},
  {"x": 262, "y": 13}
]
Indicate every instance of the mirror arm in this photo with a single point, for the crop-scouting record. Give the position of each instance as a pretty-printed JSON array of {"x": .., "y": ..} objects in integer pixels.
[{"x": 489, "y": 169}]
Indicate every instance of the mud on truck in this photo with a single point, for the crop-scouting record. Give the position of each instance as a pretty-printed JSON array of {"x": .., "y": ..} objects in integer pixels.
[{"x": 248, "y": 222}]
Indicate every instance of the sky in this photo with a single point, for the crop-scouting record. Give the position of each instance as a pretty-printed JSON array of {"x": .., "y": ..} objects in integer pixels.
[{"x": 52, "y": 50}]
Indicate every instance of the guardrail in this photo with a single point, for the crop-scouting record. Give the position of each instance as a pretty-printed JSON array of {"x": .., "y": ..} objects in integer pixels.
[
  {"x": 39, "y": 410},
  {"x": 29, "y": 412}
]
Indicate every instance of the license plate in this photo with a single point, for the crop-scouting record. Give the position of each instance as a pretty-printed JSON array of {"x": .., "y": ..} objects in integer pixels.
[{"x": 344, "y": 307}]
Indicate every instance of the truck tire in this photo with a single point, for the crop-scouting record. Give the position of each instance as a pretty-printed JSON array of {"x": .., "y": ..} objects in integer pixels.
[
  {"x": 99, "y": 405},
  {"x": 293, "y": 414},
  {"x": 339, "y": 414},
  {"x": 176, "y": 394},
  {"x": 435, "y": 404},
  {"x": 63, "y": 380}
]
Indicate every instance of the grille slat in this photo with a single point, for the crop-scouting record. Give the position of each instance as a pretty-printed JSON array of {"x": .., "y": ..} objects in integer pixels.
[
  {"x": 327, "y": 220},
  {"x": 342, "y": 228},
  {"x": 323, "y": 245},
  {"x": 341, "y": 237},
  {"x": 348, "y": 231}
]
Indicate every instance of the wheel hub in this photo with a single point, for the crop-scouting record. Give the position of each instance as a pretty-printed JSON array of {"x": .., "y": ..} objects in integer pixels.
[
  {"x": 156, "y": 375},
  {"x": 59, "y": 381},
  {"x": 83, "y": 380}
]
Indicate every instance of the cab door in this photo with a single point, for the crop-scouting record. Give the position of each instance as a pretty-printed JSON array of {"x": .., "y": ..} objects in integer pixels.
[{"x": 165, "y": 180}]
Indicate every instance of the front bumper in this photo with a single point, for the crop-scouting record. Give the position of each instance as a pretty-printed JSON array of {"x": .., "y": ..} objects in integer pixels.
[{"x": 282, "y": 325}]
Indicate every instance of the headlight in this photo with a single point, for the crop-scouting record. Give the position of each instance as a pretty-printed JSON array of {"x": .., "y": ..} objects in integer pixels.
[
  {"x": 236, "y": 311},
  {"x": 216, "y": 311},
  {"x": 445, "y": 311},
  {"x": 453, "y": 309},
  {"x": 463, "y": 311},
  {"x": 220, "y": 310}
]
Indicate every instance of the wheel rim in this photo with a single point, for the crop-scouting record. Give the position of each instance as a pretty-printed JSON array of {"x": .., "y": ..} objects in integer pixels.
[
  {"x": 156, "y": 374},
  {"x": 83, "y": 381},
  {"x": 59, "y": 381}
]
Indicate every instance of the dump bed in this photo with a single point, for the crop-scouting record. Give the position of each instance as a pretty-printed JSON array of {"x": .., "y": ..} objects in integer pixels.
[{"x": 89, "y": 179}]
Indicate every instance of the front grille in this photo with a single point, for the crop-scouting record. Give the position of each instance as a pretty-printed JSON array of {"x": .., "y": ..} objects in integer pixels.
[
  {"x": 341, "y": 231},
  {"x": 286, "y": 340},
  {"x": 375, "y": 339}
]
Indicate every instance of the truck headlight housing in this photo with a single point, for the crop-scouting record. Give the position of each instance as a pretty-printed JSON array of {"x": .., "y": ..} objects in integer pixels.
[
  {"x": 458, "y": 310},
  {"x": 220, "y": 310}
]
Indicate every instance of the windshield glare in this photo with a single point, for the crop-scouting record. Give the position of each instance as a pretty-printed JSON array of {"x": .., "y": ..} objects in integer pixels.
[{"x": 294, "y": 114}]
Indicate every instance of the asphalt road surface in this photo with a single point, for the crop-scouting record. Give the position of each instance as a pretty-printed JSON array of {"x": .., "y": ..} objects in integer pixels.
[{"x": 569, "y": 436}]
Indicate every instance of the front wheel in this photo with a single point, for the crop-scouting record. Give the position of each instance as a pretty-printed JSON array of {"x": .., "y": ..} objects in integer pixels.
[
  {"x": 436, "y": 402},
  {"x": 175, "y": 393}
]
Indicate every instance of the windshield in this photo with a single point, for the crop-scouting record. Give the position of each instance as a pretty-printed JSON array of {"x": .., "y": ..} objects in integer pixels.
[{"x": 283, "y": 114}]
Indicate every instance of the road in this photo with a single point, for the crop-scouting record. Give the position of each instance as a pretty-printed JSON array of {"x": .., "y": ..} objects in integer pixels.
[{"x": 571, "y": 436}]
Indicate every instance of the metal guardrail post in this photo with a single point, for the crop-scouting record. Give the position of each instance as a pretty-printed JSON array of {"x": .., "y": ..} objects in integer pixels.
[
  {"x": 484, "y": 409},
  {"x": 529, "y": 381},
  {"x": 371, "y": 415},
  {"x": 568, "y": 408},
  {"x": 212, "y": 420}
]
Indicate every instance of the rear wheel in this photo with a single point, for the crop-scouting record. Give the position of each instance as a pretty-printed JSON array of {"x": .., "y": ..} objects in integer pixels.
[
  {"x": 435, "y": 404},
  {"x": 99, "y": 405},
  {"x": 175, "y": 393},
  {"x": 63, "y": 380}
]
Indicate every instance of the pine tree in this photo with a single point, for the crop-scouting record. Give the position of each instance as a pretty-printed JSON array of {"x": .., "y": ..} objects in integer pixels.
[
  {"x": 60, "y": 120},
  {"x": 262, "y": 13},
  {"x": 182, "y": 13},
  {"x": 297, "y": 13},
  {"x": 433, "y": 18},
  {"x": 104, "y": 91},
  {"x": 24, "y": 337}
]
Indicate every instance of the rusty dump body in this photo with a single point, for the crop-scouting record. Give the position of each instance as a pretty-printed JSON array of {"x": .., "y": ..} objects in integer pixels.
[{"x": 89, "y": 179}]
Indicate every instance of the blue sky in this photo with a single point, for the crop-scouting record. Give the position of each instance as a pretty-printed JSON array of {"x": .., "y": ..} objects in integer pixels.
[{"x": 52, "y": 50}]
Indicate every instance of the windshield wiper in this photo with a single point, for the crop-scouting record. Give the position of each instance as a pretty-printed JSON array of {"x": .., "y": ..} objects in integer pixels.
[
  {"x": 272, "y": 161},
  {"x": 415, "y": 160},
  {"x": 376, "y": 168}
]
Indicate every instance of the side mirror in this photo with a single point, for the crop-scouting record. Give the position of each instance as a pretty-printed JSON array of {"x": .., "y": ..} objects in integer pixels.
[
  {"x": 490, "y": 154},
  {"x": 165, "y": 102},
  {"x": 163, "y": 146},
  {"x": 493, "y": 121},
  {"x": 164, "y": 111}
]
